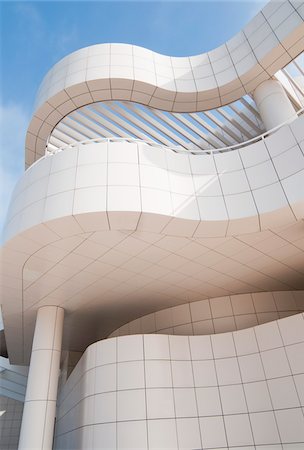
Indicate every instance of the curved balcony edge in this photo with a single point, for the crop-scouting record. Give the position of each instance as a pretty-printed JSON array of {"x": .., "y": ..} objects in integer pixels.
[{"x": 186, "y": 84}]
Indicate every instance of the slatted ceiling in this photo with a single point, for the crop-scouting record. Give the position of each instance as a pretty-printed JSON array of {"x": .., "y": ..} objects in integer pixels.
[
  {"x": 55, "y": 143},
  {"x": 298, "y": 66},
  {"x": 149, "y": 128},
  {"x": 171, "y": 135},
  {"x": 222, "y": 120},
  {"x": 141, "y": 128},
  {"x": 101, "y": 125},
  {"x": 294, "y": 100},
  {"x": 212, "y": 139},
  {"x": 247, "y": 105},
  {"x": 219, "y": 128},
  {"x": 131, "y": 129},
  {"x": 199, "y": 143},
  {"x": 296, "y": 87},
  {"x": 72, "y": 129},
  {"x": 244, "y": 121},
  {"x": 292, "y": 78},
  {"x": 251, "y": 108},
  {"x": 245, "y": 118},
  {"x": 222, "y": 127},
  {"x": 193, "y": 132},
  {"x": 95, "y": 130},
  {"x": 220, "y": 135},
  {"x": 199, "y": 128},
  {"x": 158, "y": 120},
  {"x": 62, "y": 133},
  {"x": 61, "y": 136},
  {"x": 86, "y": 127},
  {"x": 120, "y": 125},
  {"x": 235, "y": 123}
]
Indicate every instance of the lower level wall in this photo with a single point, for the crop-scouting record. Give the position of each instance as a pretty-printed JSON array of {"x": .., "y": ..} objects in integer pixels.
[
  {"x": 217, "y": 315},
  {"x": 243, "y": 389},
  {"x": 10, "y": 422}
]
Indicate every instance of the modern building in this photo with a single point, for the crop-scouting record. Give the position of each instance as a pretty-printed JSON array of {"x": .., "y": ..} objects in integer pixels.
[{"x": 153, "y": 270}]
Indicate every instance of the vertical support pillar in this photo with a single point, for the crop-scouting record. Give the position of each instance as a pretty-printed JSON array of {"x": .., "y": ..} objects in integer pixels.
[
  {"x": 273, "y": 104},
  {"x": 37, "y": 428}
]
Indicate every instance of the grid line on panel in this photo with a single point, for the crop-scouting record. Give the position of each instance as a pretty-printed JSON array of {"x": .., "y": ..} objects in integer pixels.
[
  {"x": 252, "y": 196},
  {"x": 298, "y": 144},
  {"x": 247, "y": 115},
  {"x": 69, "y": 253},
  {"x": 288, "y": 147},
  {"x": 265, "y": 411},
  {"x": 140, "y": 191},
  {"x": 145, "y": 389},
  {"x": 275, "y": 183},
  {"x": 214, "y": 76},
  {"x": 265, "y": 254},
  {"x": 222, "y": 191},
  {"x": 293, "y": 243},
  {"x": 94, "y": 390},
  {"x": 254, "y": 307},
  {"x": 290, "y": 368},
  {"x": 174, "y": 402},
  {"x": 243, "y": 389},
  {"x": 224, "y": 315},
  {"x": 191, "y": 324},
  {"x": 239, "y": 78},
  {"x": 116, "y": 372},
  {"x": 195, "y": 391},
  {"x": 268, "y": 390},
  {"x": 193, "y": 417},
  {"x": 273, "y": 29},
  {"x": 75, "y": 180},
  {"x": 92, "y": 260},
  {"x": 218, "y": 390}
]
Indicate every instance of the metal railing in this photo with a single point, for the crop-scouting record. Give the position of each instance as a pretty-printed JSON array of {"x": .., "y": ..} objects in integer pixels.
[{"x": 177, "y": 149}]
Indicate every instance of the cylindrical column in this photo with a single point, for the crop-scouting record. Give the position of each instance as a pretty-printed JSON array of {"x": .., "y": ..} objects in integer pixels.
[
  {"x": 273, "y": 104},
  {"x": 38, "y": 418}
]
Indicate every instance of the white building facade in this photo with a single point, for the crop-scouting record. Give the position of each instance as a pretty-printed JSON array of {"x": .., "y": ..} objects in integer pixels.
[{"x": 153, "y": 270}]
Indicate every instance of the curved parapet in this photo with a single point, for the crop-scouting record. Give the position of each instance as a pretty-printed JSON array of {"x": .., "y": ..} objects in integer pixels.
[
  {"x": 232, "y": 390},
  {"x": 247, "y": 190},
  {"x": 196, "y": 83},
  {"x": 217, "y": 315}
]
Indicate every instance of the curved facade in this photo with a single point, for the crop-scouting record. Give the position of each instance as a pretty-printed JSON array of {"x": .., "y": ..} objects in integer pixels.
[
  {"x": 111, "y": 235},
  {"x": 254, "y": 181},
  {"x": 232, "y": 390},
  {"x": 124, "y": 72},
  {"x": 217, "y": 315}
]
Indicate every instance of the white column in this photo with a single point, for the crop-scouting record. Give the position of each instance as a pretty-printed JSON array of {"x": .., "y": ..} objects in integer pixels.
[
  {"x": 273, "y": 104},
  {"x": 37, "y": 428}
]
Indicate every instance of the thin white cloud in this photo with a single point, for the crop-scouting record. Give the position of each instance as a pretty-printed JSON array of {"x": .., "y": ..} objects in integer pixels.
[
  {"x": 13, "y": 124},
  {"x": 29, "y": 12},
  {"x": 62, "y": 42}
]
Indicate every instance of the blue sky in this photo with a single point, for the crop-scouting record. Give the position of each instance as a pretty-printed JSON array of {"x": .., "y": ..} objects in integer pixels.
[{"x": 35, "y": 35}]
